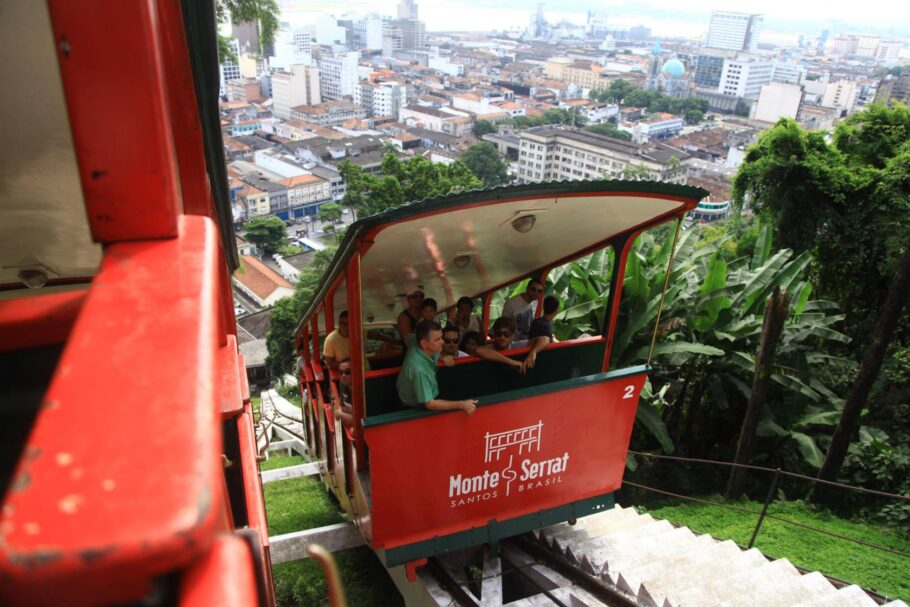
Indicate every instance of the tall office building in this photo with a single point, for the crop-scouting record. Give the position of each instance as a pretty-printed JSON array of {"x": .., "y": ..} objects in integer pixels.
[
  {"x": 298, "y": 86},
  {"x": 734, "y": 31},
  {"x": 407, "y": 9},
  {"x": 293, "y": 46},
  {"x": 338, "y": 75},
  {"x": 745, "y": 77}
]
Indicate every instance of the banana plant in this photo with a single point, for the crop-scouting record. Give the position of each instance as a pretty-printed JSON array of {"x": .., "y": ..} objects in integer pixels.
[{"x": 710, "y": 325}]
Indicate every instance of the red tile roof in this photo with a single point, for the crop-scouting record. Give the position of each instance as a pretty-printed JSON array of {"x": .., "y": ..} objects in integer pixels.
[{"x": 259, "y": 278}]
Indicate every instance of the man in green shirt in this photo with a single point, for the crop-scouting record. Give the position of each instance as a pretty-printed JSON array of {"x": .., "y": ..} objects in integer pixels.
[{"x": 417, "y": 386}]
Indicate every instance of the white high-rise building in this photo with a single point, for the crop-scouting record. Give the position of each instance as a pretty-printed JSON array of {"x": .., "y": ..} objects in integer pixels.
[
  {"x": 382, "y": 99},
  {"x": 734, "y": 31},
  {"x": 298, "y": 86},
  {"x": 369, "y": 31},
  {"x": 788, "y": 73},
  {"x": 889, "y": 51},
  {"x": 840, "y": 95},
  {"x": 328, "y": 32},
  {"x": 407, "y": 9},
  {"x": 292, "y": 47},
  {"x": 338, "y": 75},
  {"x": 744, "y": 78},
  {"x": 228, "y": 70}
]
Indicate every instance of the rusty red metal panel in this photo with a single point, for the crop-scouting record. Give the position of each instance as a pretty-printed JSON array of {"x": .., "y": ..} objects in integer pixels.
[
  {"x": 255, "y": 504},
  {"x": 355, "y": 318},
  {"x": 230, "y": 374},
  {"x": 507, "y": 460},
  {"x": 121, "y": 477},
  {"x": 41, "y": 320},
  {"x": 184, "y": 113},
  {"x": 226, "y": 577},
  {"x": 114, "y": 84}
]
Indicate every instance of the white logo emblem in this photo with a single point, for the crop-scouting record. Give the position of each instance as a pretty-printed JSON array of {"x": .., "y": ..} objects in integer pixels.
[{"x": 529, "y": 437}]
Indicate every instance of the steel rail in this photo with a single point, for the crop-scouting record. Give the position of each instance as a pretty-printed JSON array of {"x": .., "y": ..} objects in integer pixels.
[{"x": 567, "y": 569}]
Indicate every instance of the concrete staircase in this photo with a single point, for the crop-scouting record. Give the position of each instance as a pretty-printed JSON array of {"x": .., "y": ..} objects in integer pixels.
[{"x": 666, "y": 566}]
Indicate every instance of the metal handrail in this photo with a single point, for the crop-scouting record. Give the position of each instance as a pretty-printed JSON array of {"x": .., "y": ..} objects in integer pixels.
[
  {"x": 763, "y": 514},
  {"x": 905, "y": 498}
]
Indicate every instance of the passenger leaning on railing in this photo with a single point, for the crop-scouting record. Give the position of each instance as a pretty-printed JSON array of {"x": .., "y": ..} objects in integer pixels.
[
  {"x": 416, "y": 384},
  {"x": 344, "y": 409}
]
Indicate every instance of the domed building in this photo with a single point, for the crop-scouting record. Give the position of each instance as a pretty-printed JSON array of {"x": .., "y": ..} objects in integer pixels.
[{"x": 673, "y": 80}]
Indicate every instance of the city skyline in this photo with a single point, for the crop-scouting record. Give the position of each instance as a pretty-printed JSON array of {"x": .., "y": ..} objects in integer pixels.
[{"x": 783, "y": 21}]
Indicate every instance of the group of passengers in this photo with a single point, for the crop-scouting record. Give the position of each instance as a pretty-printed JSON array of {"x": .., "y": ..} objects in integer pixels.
[{"x": 427, "y": 342}]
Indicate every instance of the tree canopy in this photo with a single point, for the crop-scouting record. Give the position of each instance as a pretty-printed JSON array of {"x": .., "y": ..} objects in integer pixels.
[
  {"x": 626, "y": 93},
  {"x": 484, "y": 161},
  {"x": 269, "y": 234},
  {"x": 483, "y": 127},
  {"x": 848, "y": 204},
  {"x": 264, "y": 13},
  {"x": 609, "y": 130},
  {"x": 554, "y": 116}
]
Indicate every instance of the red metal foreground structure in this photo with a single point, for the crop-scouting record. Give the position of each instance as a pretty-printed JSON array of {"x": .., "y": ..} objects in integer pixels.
[{"x": 134, "y": 477}]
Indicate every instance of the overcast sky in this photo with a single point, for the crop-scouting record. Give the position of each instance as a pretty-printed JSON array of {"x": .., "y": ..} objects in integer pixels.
[{"x": 687, "y": 18}]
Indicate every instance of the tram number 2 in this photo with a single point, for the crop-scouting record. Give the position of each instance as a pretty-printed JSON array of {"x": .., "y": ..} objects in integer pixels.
[{"x": 629, "y": 392}]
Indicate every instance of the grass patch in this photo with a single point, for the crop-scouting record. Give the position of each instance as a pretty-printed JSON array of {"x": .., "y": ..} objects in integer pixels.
[
  {"x": 299, "y": 503},
  {"x": 255, "y": 401},
  {"x": 304, "y": 503},
  {"x": 291, "y": 393},
  {"x": 874, "y": 569},
  {"x": 281, "y": 461},
  {"x": 366, "y": 583}
]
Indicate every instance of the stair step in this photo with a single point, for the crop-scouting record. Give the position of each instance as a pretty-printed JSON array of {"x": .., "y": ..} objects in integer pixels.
[
  {"x": 737, "y": 587},
  {"x": 723, "y": 561},
  {"x": 848, "y": 596},
  {"x": 687, "y": 554},
  {"x": 656, "y": 547},
  {"x": 789, "y": 592},
  {"x": 622, "y": 539},
  {"x": 598, "y": 551}
]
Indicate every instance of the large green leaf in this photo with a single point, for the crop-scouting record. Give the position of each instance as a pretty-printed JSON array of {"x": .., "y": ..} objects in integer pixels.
[
  {"x": 674, "y": 347},
  {"x": 648, "y": 415},
  {"x": 762, "y": 247},
  {"x": 759, "y": 279},
  {"x": 818, "y": 418},
  {"x": 795, "y": 384},
  {"x": 809, "y": 450},
  {"x": 768, "y": 427},
  {"x": 801, "y": 297}
]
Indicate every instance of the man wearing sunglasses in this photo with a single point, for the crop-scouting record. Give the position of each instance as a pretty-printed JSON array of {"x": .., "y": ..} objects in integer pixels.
[
  {"x": 503, "y": 333},
  {"x": 450, "y": 343},
  {"x": 523, "y": 307}
]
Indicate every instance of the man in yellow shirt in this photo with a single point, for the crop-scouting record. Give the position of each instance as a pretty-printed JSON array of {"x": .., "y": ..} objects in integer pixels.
[{"x": 337, "y": 346}]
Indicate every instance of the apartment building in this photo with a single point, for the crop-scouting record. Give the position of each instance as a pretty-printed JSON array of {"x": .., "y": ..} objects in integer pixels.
[
  {"x": 338, "y": 76},
  {"x": 300, "y": 85},
  {"x": 550, "y": 153},
  {"x": 582, "y": 73},
  {"x": 329, "y": 113}
]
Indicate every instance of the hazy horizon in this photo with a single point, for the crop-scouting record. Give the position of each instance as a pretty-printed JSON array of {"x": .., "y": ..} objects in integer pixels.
[{"x": 783, "y": 21}]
